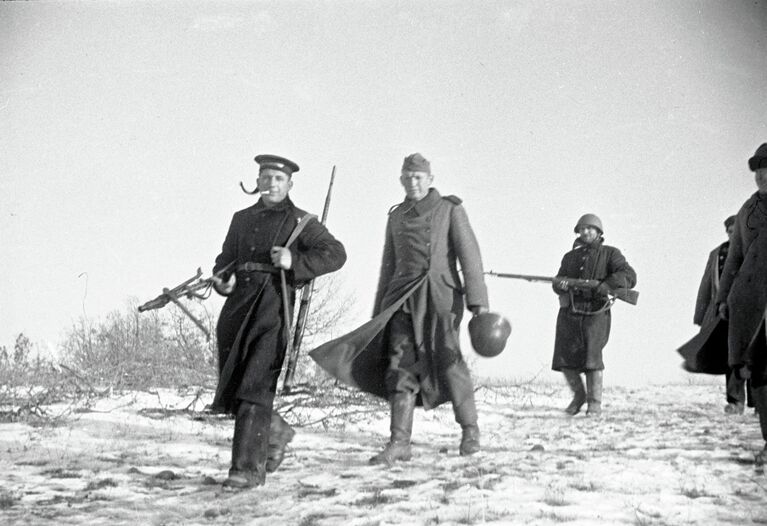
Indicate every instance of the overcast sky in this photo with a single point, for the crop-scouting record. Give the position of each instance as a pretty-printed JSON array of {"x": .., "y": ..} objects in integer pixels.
[{"x": 127, "y": 126}]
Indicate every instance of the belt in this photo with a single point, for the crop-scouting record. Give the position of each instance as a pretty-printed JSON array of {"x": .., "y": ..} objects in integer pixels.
[{"x": 257, "y": 267}]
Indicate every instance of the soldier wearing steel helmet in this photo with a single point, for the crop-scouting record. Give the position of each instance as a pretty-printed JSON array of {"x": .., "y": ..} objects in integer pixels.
[
  {"x": 409, "y": 352},
  {"x": 263, "y": 244},
  {"x": 583, "y": 322}
]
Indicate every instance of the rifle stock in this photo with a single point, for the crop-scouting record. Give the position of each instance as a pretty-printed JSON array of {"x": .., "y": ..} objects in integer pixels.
[{"x": 630, "y": 296}]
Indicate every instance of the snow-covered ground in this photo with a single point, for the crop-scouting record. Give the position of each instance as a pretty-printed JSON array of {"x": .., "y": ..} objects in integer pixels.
[{"x": 663, "y": 455}]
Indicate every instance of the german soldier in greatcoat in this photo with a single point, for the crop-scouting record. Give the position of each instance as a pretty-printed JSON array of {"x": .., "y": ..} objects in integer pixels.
[
  {"x": 266, "y": 241},
  {"x": 409, "y": 351},
  {"x": 742, "y": 297},
  {"x": 583, "y": 322},
  {"x": 706, "y": 314}
]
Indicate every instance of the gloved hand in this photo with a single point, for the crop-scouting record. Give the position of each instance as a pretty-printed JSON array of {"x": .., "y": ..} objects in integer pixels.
[
  {"x": 722, "y": 310},
  {"x": 561, "y": 284},
  {"x": 603, "y": 290}
]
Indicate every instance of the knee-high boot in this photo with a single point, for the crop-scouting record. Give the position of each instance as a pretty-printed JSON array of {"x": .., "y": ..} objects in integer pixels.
[
  {"x": 594, "y": 393},
  {"x": 466, "y": 416},
  {"x": 249, "y": 446},
  {"x": 280, "y": 433},
  {"x": 760, "y": 399},
  {"x": 573, "y": 378},
  {"x": 398, "y": 448}
]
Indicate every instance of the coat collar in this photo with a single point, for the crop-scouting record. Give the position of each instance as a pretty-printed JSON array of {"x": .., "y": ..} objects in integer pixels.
[
  {"x": 260, "y": 207},
  {"x": 580, "y": 245},
  {"x": 424, "y": 205}
]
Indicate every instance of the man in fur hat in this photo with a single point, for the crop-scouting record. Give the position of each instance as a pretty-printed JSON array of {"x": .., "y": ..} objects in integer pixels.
[{"x": 742, "y": 297}]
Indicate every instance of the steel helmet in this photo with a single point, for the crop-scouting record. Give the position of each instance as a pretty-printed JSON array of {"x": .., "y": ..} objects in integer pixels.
[
  {"x": 589, "y": 220},
  {"x": 488, "y": 332}
]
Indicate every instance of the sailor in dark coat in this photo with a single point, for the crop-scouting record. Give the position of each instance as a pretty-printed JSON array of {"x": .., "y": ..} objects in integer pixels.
[
  {"x": 583, "y": 322},
  {"x": 270, "y": 238},
  {"x": 409, "y": 352},
  {"x": 742, "y": 297},
  {"x": 706, "y": 314}
]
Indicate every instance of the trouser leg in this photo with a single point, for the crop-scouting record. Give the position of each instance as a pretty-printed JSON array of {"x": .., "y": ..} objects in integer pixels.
[
  {"x": 575, "y": 382},
  {"x": 760, "y": 400},
  {"x": 594, "y": 392},
  {"x": 736, "y": 393},
  {"x": 402, "y": 385},
  {"x": 464, "y": 407},
  {"x": 249, "y": 445}
]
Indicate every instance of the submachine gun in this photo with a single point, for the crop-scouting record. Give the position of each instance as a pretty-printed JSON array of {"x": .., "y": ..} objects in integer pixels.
[
  {"x": 628, "y": 295},
  {"x": 195, "y": 287}
]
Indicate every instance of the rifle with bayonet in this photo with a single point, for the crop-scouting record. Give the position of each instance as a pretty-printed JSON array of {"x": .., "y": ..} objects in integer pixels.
[
  {"x": 193, "y": 288},
  {"x": 303, "y": 308},
  {"x": 624, "y": 294}
]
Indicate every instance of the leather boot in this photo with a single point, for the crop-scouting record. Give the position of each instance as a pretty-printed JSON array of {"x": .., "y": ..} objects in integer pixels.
[
  {"x": 249, "y": 446},
  {"x": 573, "y": 378},
  {"x": 760, "y": 401},
  {"x": 280, "y": 433},
  {"x": 466, "y": 416},
  {"x": 398, "y": 448},
  {"x": 594, "y": 393}
]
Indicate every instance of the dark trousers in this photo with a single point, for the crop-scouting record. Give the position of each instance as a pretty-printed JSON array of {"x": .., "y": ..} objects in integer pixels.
[
  {"x": 402, "y": 374},
  {"x": 738, "y": 390}
]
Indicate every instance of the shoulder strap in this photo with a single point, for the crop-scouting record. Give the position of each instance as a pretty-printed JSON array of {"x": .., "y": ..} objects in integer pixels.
[
  {"x": 453, "y": 199},
  {"x": 302, "y": 222}
]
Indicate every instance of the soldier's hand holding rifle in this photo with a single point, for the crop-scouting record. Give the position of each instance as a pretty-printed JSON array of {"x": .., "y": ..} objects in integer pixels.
[{"x": 281, "y": 257}]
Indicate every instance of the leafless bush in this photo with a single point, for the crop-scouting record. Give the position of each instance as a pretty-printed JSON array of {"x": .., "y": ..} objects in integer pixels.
[
  {"x": 30, "y": 385},
  {"x": 129, "y": 350},
  {"x": 328, "y": 313}
]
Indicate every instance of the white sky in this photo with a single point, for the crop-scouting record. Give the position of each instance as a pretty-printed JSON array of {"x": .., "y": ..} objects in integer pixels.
[{"x": 127, "y": 126}]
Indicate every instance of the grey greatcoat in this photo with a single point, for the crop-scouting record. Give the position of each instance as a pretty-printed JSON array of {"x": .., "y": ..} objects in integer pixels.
[
  {"x": 251, "y": 327},
  {"x": 744, "y": 287},
  {"x": 424, "y": 241},
  {"x": 580, "y": 338},
  {"x": 706, "y": 352}
]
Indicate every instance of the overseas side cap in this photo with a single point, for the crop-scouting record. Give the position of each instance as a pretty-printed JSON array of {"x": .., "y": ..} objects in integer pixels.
[{"x": 416, "y": 162}]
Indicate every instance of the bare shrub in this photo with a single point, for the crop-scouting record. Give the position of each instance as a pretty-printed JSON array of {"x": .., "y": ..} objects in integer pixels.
[
  {"x": 130, "y": 350},
  {"x": 328, "y": 312},
  {"x": 31, "y": 384}
]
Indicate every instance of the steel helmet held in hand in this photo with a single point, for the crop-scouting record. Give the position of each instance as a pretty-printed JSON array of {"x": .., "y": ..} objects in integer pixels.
[{"x": 488, "y": 332}]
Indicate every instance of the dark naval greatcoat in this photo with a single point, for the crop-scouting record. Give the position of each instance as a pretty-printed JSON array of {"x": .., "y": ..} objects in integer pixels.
[
  {"x": 424, "y": 242},
  {"x": 251, "y": 326},
  {"x": 743, "y": 286},
  {"x": 581, "y": 337}
]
